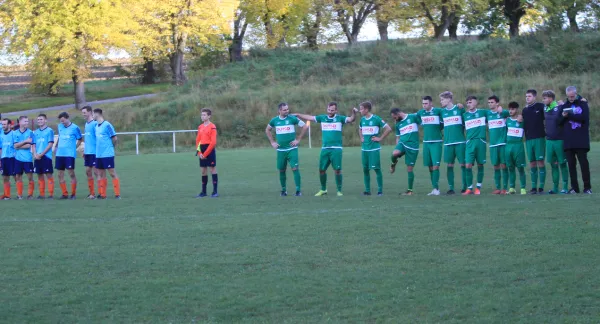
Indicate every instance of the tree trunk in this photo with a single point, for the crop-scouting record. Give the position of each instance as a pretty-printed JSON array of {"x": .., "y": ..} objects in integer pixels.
[
  {"x": 176, "y": 60},
  {"x": 235, "y": 50},
  {"x": 513, "y": 11},
  {"x": 79, "y": 91},
  {"x": 572, "y": 15},
  {"x": 312, "y": 31},
  {"x": 382, "y": 26},
  {"x": 453, "y": 27},
  {"x": 149, "y": 72},
  {"x": 513, "y": 27}
]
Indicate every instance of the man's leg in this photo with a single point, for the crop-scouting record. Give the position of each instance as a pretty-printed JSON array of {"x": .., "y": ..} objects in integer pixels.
[
  {"x": 542, "y": 167},
  {"x": 533, "y": 169},
  {"x": 572, "y": 161},
  {"x": 460, "y": 155},
  {"x": 540, "y": 151},
  {"x": 584, "y": 164},
  {"x": 470, "y": 154},
  {"x": 497, "y": 178},
  {"x": 41, "y": 185},
  {"x": 31, "y": 186},
  {"x": 204, "y": 172},
  {"x": 73, "y": 182},
  {"x": 50, "y": 180},
  {"x": 116, "y": 182},
  {"x": 481, "y": 158},
  {"x": 324, "y": 161},
  {"x": 336, "y": 162},
  {"x": 89, "y": 172},
  {"x": 6, "y": 182},
  {"x": 19, "y": 183},
  {"x": 295, "y": 164},
  {"x": 366, "y": 171},
  {"x": 449, "y": 158},
  {"x": 555, "y": 176},
  {"x": 215, "y": 181},
  {"x": 62, "y": 183}
]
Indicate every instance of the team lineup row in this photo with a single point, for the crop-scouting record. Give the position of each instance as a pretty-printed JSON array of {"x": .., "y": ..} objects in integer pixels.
[
  {"x": 24, "y": 151},
  {"x": 457, "y": 133}
]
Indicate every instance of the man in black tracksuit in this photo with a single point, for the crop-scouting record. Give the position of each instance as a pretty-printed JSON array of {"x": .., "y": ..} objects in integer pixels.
[
  {"x": 575, "y": 118},
  {"x": 535, "y": 142}
]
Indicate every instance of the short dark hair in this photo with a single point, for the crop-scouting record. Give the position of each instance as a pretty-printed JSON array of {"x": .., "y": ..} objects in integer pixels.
[
  {"x": 7, "y": 120},
  {"x": 63, "y": 114},
  {"x": 333, "y": 103},
  {"x": 207, "y": 111},
  {"x": 98, "y": 111},
  {"x": 395, "y": 111},
  {"x": 43, "y": 115},
  {"x": 367, "y": 105},
  {"x": 494, "y": 97},
  {"x": 532, "y": 91},
  {"x": 88, "y": 108},
  {"x": 428, "y": 98},
  {"x": 471, "y": 98},
  {"x": 513, "y": 104},
  {"x": 281, "y": 105},
  {"x": 549, "y": 94},
  {"x": 23, "y": 117}
]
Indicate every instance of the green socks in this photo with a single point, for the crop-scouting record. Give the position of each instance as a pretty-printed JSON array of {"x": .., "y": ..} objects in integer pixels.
[
  {"x": 338, "y": 181},
  {"x": 542, "y": 176},
  {"x": 497, "y": 176},
  {"x": 513, "y": 177},
  {"x": 435, "y": 178},
  {"x": 534, "y": 177},
  {"x": 564, "y": 170},
  {"x": 297, "y": 179},
  {"x": 469, "y": 176},
  {"x": 379, "y": 180},
  {"x": 505, "y": 179},
  {"x": 450, "y": 176},
  {"x": 282, "y": 180},
  {"x": 464, "y": 177},
  {"x": 555, "y": 177},
  {"x": 323, "y": 178},
  {"x": 367, "y": 180},
  {"x": 479, "y": 175},
  {"x": 523, "y": 178},
  {"x": 411, "y": 180}
]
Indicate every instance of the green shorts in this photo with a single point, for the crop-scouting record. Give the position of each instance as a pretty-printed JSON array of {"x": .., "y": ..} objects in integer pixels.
[
  {"x": 283, "y": 157},
  {"x": 514, "y": 155},
  {"x": 536, "y": 149},
  {"x": 432, "y": 154},
  {"x": 330, "y": 156},
  {"x": 497, "y": 155},
  {"x": 476, "y": 151},
  {"x": 555, "y": 152},
  {"x": 371, "y": 160},
  {"x": 410, "y": 155},
  {"x": 453, "y": 152}
]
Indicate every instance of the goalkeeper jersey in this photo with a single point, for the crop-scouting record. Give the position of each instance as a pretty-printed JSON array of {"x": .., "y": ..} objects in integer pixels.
[{"x": 207, "y": 134}]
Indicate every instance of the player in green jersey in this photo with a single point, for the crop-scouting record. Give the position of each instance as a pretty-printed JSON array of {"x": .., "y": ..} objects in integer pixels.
[
  {"x": 431, "y": 122},
  {"x": 555, "y": 155},
  {"x": 331, "y": 151},
  {"x": 454, "y": 139},
  {"x": 407, "y": 143},
  {"x": 515, "y": 151},
  {"x": 496, "y": 118},
  {"x": 286, "y": 145},
  {"x": 371, "y": 137},
  {"x": 475, "y": 125}
]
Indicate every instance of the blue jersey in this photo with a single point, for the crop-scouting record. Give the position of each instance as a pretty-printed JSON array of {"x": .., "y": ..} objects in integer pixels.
[
  {"x": 24, "y": 154},
  {"x": 42, "y": 138},
  {"x": 89, "y": 137},
  {"x": 8, "y": 144},
  {"x": 104, "y": 145},
  {"x": 67, "y": 140}
]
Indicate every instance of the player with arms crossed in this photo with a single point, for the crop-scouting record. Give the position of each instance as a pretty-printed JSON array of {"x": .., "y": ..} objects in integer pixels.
[
  {"x": 555, "y": 154},
  {"x": 454, "y": 139},
  {"x": 24, "y": 140},
  {"x": 286, "y": 145},
  {"x": 496, "y": 118},
  {"x": 7, "y": 156},
  {"x": 369, "y": 132},
  {"x": 475, "y": 126},
  {"x": 535, "y": 134},
  {"x": 515, "y": 152},
  {"x": 407, "y": 144},
  {"x": 331, "y": 151},
  {"x": 106, "y": 140},
  {"x": 42, "y": 164},
  {"x": 69, "y": 138},
  {"x": 431, "y": 122},
  {"x": 206, "y": 141},
  {"x": 89, "y": 150}
]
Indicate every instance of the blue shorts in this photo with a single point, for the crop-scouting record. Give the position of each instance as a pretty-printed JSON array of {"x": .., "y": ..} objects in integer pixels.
[
  {"x": 89, "y": 160},
  {"x": 64, "y": 162},
  {"x": 105, "y": 163},
  {"x": 23, "y": 167},
  {"x": 43, "y": 165},
  {"x": 210, "y": 160},
  {"x": 8, "y": 167}
]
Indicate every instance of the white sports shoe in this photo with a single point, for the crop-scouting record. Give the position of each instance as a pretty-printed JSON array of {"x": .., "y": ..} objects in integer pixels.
[{"x": 434, "y": 192}]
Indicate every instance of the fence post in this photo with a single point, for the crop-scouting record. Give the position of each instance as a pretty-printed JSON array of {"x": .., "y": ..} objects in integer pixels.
[
  {"x": 309, "y": 139},
  {"x": 137, "y": 144},
  {"x": 173, "y": 142}
]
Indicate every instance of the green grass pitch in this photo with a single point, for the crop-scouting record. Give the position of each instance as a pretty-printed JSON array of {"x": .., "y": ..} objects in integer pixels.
[{"x": 161, "y": 256}]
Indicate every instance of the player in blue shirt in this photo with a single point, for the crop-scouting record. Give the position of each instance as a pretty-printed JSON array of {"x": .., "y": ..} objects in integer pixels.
[
  {"x": 69, "y": 138},
  {"x": 7, "y": 156},
  {"x": 24, "y": 140},
  {"x": 42, "y": 148},
  {"x": 106, "y": 140},
  {"x": 89, "y": 150}
]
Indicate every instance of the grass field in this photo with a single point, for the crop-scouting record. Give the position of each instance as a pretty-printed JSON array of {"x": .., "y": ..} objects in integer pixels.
[{"x": 159, "y": 255}]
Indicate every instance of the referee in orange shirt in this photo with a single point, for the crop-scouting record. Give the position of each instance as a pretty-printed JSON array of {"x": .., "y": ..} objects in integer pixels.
[{"x": 206, "y": 140}]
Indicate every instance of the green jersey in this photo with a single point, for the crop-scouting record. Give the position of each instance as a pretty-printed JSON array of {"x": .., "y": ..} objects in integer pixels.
[
  {"x": 285, "y": 131},
  {"x": 370, "y": 127},
  {"x": 431, "y": 122},
  {"x": 515, "y": 131},
  {"x": 454, "y": 130},
  {"x": 408, "y": 131},
  {"x": 332, "y": 130},
  {"x": 497, "y": 125},
  {"x": 475, "y": 124}
]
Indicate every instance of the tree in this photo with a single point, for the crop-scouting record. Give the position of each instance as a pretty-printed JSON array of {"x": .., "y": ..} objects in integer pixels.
[
  {"x": 351, "y": 15},
  {"x": 61, "y": 40}
]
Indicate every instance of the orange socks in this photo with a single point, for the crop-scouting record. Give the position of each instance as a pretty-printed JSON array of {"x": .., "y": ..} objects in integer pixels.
[
  {"x": 7, "y": 190},
  {"x": 20, "y": 188},
  {"x": 42, "y": 187},
  {"x": 30, "y": 188},
  {"x": 103, "y": 184},
  {"x": 73, "y": 188},
  {"x": 91, "y": 186},
  {"x": 51, "y": 187},
  {"x": 117, "y": 186},
  {"x": 63, "y": 187}
]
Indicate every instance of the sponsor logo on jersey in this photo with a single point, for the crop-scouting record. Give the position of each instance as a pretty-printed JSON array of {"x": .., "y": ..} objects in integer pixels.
[
  {"x": 515, "y": 132},
  {"x": 284, "y": 130},
  {"x": 496, "y": 123},
  {"x": 478, "y": 122},
  {"x": 331, "y": 127},
  {"x": 411, "y": 128},
  {"x": 430, "y": 120},
  {"x": 370, "y": 130},
  {"x": 449, "y": 121}
]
